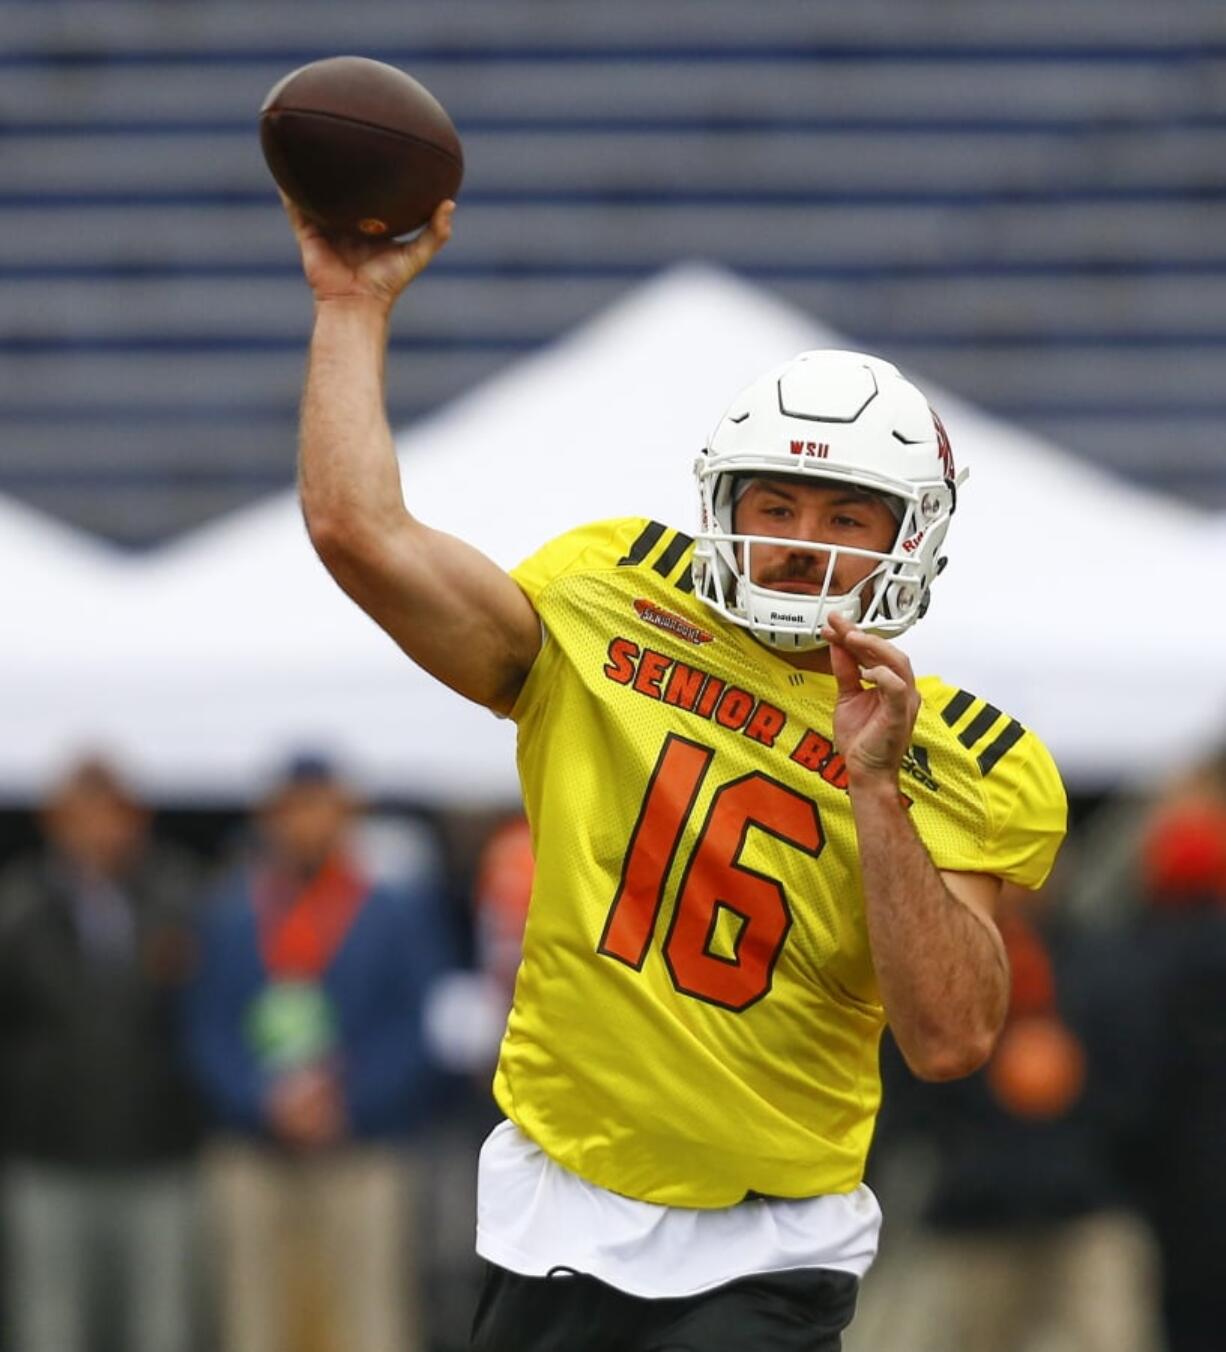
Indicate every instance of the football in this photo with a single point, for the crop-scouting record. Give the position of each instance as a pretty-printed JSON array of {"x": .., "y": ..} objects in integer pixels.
[{"x": 360, "y": 147}]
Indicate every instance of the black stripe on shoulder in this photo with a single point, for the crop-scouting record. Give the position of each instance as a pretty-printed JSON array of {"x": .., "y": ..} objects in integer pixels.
[
  {"x": 957, "y": 706},
  {"x": 685, "y": 582},
  {"x": 672, "y": 554},
  {"x": 639, "y": 550},
  {"x": 978, "y": 725},
  {"x": 995, "y": 749}
]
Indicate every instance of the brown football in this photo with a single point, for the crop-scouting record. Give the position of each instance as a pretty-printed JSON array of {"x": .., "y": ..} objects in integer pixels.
[{"x": 360, "y": 146}]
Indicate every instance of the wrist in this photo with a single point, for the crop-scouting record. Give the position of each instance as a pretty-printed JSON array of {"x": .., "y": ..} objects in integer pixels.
[
  {"x": 872, "y": 784},
  {"x": 362, "y": 306}
]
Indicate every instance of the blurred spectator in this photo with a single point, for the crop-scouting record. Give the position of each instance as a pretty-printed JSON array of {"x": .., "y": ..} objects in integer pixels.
[
  {"x": 305, "y": 1028},
  {"x": 1183, "y": 854},
  {"x": 467, "y": 1012},
  {"x": 1026, "y": 1239},
  {"x": 503, "y": 891},
  {"x": 1180, "y": 951},
  {"x": 100, "y": 1126},
  {"x": 466, "y": 1018}
]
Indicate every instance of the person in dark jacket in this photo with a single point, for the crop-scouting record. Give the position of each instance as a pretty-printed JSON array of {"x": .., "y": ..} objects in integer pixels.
[
  {"x": 305, "y": 1028},
  {"x": 99, "y": 1120},
  {"x": 1028, "y": 1235},
  {"x": 1179, "y": 942}
]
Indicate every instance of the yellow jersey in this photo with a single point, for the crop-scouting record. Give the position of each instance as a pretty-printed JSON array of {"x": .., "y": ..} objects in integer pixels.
[{"x": 696, "y": 1016}]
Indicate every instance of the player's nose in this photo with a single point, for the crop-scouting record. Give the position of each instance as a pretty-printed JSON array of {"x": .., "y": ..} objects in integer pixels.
[{"x": 804, "y": 558}]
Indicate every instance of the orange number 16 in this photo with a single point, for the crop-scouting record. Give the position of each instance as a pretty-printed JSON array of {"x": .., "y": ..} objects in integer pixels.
[{"x": 714, "y": 879}]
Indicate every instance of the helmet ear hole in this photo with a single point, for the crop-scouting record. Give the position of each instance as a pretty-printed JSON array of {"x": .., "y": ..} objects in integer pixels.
[{"x": 901, "y": 598}]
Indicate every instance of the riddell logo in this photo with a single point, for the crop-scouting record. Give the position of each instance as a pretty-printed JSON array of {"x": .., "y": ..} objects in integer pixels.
[{"x": 675, "y": 624}]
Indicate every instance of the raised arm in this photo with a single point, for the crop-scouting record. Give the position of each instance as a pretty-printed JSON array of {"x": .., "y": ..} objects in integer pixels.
[{"x": 456, "y": 613}]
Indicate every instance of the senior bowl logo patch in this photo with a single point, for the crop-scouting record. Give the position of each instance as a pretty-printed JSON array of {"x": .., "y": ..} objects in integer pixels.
[{"x": 674, "y": 624}]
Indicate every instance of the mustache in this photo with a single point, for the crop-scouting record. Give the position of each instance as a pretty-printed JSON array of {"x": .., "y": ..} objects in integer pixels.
[
  {"x": 799, "y": 568},
  {"x": 809, "y": 570}
]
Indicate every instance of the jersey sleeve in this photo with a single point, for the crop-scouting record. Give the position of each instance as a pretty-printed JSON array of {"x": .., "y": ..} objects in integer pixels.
[
  {"x": 1008, "y": 821},
  {"x": 602, "y": 544},
  {"x": 597, "y": 547},
  {"x": 1027, "y": 814},
  {"x": 989, "y": 799}
]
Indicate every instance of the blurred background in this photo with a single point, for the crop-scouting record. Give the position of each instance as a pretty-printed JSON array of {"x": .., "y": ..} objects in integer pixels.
[{"x": 210, "y": 757}]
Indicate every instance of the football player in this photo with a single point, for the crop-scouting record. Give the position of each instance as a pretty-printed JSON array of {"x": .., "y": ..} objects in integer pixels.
[{"x": 759, "y": 837}]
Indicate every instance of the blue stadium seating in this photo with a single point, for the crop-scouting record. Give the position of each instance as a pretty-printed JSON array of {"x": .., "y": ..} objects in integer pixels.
[{"x": 1023, "y": 202}]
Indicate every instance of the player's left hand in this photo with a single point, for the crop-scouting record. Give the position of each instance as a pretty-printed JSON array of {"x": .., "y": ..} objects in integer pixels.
[{"x": 872, "y": 727}]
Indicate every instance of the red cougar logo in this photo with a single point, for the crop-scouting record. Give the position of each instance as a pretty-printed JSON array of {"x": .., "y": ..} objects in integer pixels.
[{"x": 944, "y": 449}]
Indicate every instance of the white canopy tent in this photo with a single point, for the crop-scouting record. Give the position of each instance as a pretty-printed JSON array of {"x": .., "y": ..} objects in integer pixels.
[
  {"x": 59, "y": 588},
  {"x": 51, "y": 574},
  {"x": 1072, "y": 600}
]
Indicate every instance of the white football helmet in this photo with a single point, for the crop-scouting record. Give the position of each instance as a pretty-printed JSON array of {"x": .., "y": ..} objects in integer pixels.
[{"x": 842, "y": 417}]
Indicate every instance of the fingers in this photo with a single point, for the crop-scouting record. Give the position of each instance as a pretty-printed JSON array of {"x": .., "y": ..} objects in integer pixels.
[
  {"x": 296, "y": 217},
  {"x": 417, "y": 252},
  {"x": 839, "y": 632},
  {"x": 844, "y": 666},
  {"x": 890, "y": 683},
  {"x": 420, "y": 251},
  {"x": 856, "y": 657},
  {"x": 440, "y": 222}
]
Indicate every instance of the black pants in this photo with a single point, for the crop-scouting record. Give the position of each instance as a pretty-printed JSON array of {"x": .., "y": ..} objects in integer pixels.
[{"x": 801, "y": 1311}]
